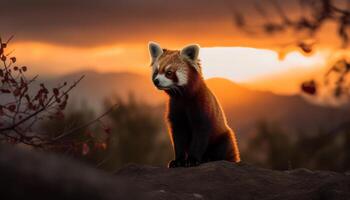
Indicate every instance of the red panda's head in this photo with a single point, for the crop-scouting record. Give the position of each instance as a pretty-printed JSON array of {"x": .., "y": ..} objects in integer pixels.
[{"x": 173, "y": 69}]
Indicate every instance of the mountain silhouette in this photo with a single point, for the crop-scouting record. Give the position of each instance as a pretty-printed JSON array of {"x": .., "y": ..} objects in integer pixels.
[{"x": 244, "y": 107}]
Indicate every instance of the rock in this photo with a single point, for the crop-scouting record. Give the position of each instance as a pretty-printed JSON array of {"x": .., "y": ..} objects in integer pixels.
[
  {"x": 29, "y": 174},
  {"x": 25, "y": 174},
  {"x": 225, "y": 180}
]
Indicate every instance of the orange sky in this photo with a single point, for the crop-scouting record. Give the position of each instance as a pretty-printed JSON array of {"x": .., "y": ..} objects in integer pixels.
[
  {"x": 256, "y": 67},
  {"x": 58, "y": 37}
]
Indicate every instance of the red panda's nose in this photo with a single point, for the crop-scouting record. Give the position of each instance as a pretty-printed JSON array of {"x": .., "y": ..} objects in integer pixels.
[{"x": 156, "y": 82}]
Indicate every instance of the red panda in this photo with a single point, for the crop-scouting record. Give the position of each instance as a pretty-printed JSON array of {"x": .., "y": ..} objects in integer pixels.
[{"x": 197, "y": 124}]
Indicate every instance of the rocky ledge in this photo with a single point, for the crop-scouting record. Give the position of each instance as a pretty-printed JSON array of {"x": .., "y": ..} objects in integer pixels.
[{"x": 28, "y": 174}]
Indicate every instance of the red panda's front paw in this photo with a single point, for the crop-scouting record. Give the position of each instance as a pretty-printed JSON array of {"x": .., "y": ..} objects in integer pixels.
[
  {"x": 191, "y": 162},
  {"x": 176, "y": 163}
]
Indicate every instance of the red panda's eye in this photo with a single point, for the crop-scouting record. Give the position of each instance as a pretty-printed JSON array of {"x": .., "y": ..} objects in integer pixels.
[{"x": 168, "y": 73}]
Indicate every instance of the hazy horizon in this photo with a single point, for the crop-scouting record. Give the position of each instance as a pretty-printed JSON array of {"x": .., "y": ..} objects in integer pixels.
[{"x": 112, "y": 36}]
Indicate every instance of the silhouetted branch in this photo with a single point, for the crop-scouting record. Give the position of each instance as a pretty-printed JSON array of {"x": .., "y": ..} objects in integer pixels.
[
  {"x": 20, "y": 110},
  {"x": 319, "y": 12},
  {"x": 313, "y": 15},
  {"x": 64, "y": 134}
]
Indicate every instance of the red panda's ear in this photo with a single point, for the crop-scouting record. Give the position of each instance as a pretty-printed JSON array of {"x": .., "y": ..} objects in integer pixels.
[
  {"x": 155, "y": 51},
  {"x": 191, "y": 52}
]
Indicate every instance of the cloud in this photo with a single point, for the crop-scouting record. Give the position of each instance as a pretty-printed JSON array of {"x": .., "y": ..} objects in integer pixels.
[{"x": 97, "y": 22}]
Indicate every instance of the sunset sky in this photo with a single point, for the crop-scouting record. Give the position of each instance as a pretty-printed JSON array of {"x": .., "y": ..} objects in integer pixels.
[{"x": 62, "y": 36}]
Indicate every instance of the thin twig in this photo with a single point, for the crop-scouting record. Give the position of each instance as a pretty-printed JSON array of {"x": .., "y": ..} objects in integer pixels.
[
  {"x": 48, "y": 104},
  {"x": 86, "y": 124}
]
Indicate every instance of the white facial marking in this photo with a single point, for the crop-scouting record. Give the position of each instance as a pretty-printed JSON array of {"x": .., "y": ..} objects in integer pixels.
[
  {"x": 164, "y": 81},
  {"x": 167, "y": 67},
  {"x": 181, "y": 74}
]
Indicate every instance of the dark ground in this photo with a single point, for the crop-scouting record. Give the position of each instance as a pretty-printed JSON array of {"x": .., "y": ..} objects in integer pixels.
[{"x": 28, "y": 174}]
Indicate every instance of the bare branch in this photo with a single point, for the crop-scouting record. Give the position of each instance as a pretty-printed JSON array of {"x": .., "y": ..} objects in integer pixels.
[
  {"x": 22, "y": 110},
  {"x": 86, "y": 124}
]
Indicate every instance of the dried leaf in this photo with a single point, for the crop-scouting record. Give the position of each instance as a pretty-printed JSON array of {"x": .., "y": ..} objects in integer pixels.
[
  {"x": 309, "y": 87},
  {"x": 17, "y": 92},
  {"x": 5, "y": 91},
  {"x": 107, "y": 130},
  {"x": 101, "y": 146},
  {"x": 13, "y": 59},
  {"x": 55, "y": 91},
  {"x": 11, "y": 108},
  {"x": 85, "y": 149}
]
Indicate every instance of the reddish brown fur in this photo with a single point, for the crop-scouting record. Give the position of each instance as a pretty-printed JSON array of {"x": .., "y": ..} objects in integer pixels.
[{"x": 198, "y": 127}]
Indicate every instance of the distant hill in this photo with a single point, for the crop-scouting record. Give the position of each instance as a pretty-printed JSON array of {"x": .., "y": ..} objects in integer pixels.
[
  {"x": 97, "y": 87},
  {"x": 244, "y": 107}
]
